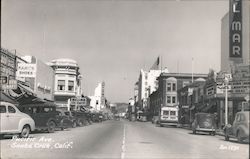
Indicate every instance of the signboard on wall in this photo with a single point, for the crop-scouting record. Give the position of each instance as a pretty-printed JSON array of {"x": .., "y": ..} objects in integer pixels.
[
  {"x": 235, "y": 29},
  {"x": 26, "y": 70},
  {"x": 7, "y": 84}
]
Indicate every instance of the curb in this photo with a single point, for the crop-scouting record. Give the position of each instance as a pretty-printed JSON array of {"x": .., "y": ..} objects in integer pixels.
[{"x": 217, "y": 132}]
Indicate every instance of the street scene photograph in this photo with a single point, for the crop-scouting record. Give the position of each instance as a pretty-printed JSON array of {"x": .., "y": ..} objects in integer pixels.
[{"x": 125, "y": 79}]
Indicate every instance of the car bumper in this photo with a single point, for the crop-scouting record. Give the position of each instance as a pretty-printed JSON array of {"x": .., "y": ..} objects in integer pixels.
[{"x": 205, "y": 129}]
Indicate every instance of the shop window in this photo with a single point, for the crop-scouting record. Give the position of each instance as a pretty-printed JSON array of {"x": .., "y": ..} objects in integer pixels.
[
  {"x": 71, "y": 85},
  {"x": 61, "y": 85}
]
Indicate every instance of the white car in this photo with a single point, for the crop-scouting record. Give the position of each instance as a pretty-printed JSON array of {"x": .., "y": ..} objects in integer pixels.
[{"x": 14, "y": 122}]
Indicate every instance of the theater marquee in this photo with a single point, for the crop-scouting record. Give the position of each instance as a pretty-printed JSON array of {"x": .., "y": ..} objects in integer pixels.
[{"x": 235, "y": 30}]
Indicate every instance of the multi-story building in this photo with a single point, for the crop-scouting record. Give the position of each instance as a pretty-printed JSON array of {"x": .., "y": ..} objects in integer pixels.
[
  {"x": 67, "y": 80},
  {"x": 147, "y": 84},
  {"x": 98, "y": 100},
  {"x": 166, "y": 94},
  {"x": 226, "y": 61},
  {"x": 8, "y": 70}
]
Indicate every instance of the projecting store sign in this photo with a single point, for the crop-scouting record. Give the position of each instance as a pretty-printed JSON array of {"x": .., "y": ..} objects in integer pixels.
[{"x": 235, "y": 30}]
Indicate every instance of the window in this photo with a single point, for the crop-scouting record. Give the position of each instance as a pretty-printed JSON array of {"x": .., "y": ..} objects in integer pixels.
[
  {"x": 174, "y": 87},
  {"x": 168, "y": 99},
  {"x": 173, "y": 99},
  {"x": 71, "y": 85},
  {"x": 165, "y": 112},
  {"x": 11, "y": 109},
  {"x": 46, "y": 110},
  {"x": 2, "y": 109},
  {"x": 168, "y": 86},
  {"x": 61, "y": 85},
  {"x": 172, "y": 112}
]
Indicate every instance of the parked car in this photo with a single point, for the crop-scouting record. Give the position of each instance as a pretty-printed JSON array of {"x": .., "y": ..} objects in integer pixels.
[
  {"x": 204, "y": 122},
  {"x": 66, "y": 121},
  {"x": 97, "y": 117},
  {"x": 72, "y": 118},
  {"x": 240, "y": 127},
  {"x": 15, "y": 122},
  {"x": 45, "y": 116},
  {"x": 81, "y": 118}
]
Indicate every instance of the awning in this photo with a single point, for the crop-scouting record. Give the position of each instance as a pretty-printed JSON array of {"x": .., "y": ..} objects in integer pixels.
[{"x": 26, "y": 89}]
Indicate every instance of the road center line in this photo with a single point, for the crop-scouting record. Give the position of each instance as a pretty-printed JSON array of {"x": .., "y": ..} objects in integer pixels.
[{"x": 123, "y": 143}]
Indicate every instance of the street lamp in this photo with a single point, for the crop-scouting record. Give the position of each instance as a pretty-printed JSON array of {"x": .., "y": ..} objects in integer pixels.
[{"x": 226, "y": 81}]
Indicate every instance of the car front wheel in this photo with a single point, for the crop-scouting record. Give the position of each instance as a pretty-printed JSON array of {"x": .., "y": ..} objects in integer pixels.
[
  {"x": 194, "y": 131},
  {"x": 51, "y": 126},
  {"x": 74, "y": 124},
  {"x": 239, "y": 137},
  {"x": 25, "y": 132}
]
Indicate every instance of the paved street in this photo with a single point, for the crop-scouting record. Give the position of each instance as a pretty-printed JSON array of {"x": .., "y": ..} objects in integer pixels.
[{"x": 122, "y": 139}]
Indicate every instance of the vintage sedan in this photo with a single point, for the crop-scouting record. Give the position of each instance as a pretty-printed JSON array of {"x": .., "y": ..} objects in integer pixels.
[
  {"x": 45, "y": 116},
  {"x": 204, "y": 122},
  {"x": 240, "y": 127},
  {"x": 67, "y": 120},
  {"x": 15, "y": 122}
]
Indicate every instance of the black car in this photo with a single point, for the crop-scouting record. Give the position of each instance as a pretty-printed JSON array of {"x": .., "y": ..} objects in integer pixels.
[
  {"x": 45, "y": 116},
  {"x": 204, "y": 122},
  {"x": 81, "y": 118},
  {"x": 67, "y": 121}
]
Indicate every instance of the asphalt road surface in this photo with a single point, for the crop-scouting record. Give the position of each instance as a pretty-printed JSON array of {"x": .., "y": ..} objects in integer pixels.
[{"x": 122, "y": 140}]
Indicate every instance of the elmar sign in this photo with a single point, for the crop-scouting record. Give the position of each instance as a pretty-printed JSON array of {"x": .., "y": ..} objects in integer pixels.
[{"x": 235, "y": 30}]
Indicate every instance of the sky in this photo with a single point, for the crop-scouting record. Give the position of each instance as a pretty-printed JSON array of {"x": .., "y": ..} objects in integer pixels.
[{"x": 111, "y": 40}]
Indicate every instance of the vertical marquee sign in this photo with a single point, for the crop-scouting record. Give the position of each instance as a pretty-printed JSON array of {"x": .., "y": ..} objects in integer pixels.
[{"x": 235, "y": 30}]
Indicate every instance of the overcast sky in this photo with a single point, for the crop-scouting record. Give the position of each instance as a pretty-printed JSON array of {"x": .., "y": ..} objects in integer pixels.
[{"x": 112, "y": 40}]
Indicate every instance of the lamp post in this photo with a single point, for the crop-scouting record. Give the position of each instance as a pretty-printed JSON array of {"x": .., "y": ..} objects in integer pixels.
[{"x": 226, "y": 81}]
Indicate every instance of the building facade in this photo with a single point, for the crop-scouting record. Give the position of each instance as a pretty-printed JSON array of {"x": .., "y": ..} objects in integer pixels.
[
  {"x": 67, "y": 80},
  {"x": 37, "y": 76},
  {"x": 226, "y": 62},
  {"x": 98, "y": 101},
  {"x": 8, "y": 70},
  {"x": 147, "y": 84},
  {"x": 169, "y": 84},
  {"x": 209, "y": 97}
]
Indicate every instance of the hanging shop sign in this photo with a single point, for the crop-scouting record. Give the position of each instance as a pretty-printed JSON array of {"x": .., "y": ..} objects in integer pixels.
[
  {"x": 235, "y": 30},
  {"x": 78, "y": 101}
]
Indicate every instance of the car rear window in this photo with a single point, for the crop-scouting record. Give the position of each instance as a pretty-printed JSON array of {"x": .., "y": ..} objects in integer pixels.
[{"x": 2, "y": 109}]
